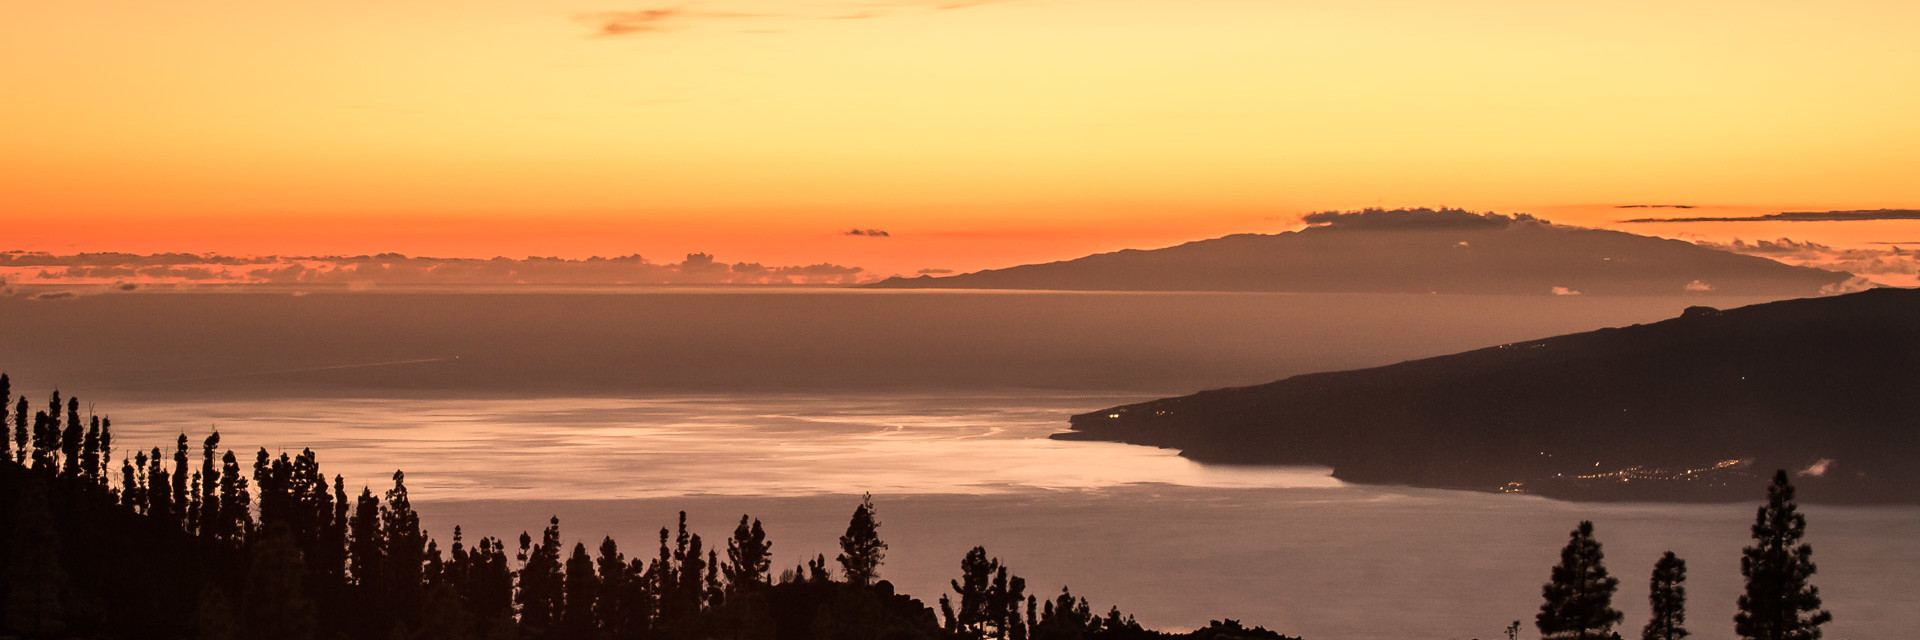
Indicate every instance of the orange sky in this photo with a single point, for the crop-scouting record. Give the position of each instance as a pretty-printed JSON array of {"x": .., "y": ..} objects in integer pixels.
[{"x": 978, "y": 134}]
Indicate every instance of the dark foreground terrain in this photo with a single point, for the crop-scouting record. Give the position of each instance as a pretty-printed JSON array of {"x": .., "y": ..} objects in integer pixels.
[{"x": 1692, "y": 408}]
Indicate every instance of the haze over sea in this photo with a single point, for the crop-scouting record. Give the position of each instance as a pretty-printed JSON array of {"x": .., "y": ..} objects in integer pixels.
[{"x": 613, "y": 409}]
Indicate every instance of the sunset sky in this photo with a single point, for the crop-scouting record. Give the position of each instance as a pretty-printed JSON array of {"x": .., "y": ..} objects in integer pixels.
[{"x": 977, "y": 133}]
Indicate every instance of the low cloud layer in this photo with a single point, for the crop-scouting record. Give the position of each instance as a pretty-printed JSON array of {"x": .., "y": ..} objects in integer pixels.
[
  {"x": 392, "y": 268},
  {"x": 1803, "y": 216},
  {"x": 870, "y": 233},
  {"x": 1398, "y": 219},
  {"x": 1894, "y": 265}
]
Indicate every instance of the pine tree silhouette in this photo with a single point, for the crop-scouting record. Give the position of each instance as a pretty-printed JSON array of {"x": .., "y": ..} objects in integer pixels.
[
  {"x": 159, "y": 499},
  {"x": 235, "y": 515},
  {"x": 210, "y": 512},
  {"x": 1780, "y": 603},
  {"x": 106, "y": 444},
  {"x": 976, "y": 610},
  {"x": 582, "y": 593},
  {"x": 179, "y": 499},
  {"x": 861, "y": 550},
  {"x": 542, "y": 587},
  {"x": 366, "y": 546},
  {"x": 1667, "y": 593},
  {"x": 90, "y": 451},
  {"x": 1579, "y": 597},
  {"x": 71, "y": 440},
  {"x": 749, "y": 555},
  {"x": 21, "y": 432}
]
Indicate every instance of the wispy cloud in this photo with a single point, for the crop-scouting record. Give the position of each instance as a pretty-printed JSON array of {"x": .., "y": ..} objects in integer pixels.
[
  {"x": 640, "y": 22},
  {"x": 1653, "y": 206},
  {"x": 646, "y": 21},
  {"x": 1803, "y": 216},
  {"x": 870, "y": 233}
]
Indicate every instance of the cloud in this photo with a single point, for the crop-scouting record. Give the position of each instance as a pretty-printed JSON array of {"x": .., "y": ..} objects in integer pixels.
[
  {"x": 1890, "y": 266},
  {"x": 1697, "y": 286},
  {"x": 1563, "y": 291},
  {"x": 1653, "y": 206},
  {"x": 393, "y": 268},
  {"x": 1404, "y": 219},
  {"x": 935, "y": 272},
  {"x": 1803, "y": 216},
  {"x": 1817, "y": 469},
  {"x": 639, "y": 22},
  {"x": 645, "y": 21},
  {"x": 870, "y": 233}
]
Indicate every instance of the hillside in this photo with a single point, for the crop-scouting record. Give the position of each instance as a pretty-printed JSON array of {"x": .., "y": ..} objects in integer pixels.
[
  {"x": 1684, "y": 409},
  {"x": 1413, "y": 251}
]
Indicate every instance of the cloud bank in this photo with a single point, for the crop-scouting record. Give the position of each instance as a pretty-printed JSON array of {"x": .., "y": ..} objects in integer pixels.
[
  {"x": 1803, "y": 216},
  {"x": 391, "y": 268},
  {"x": 1890, "y": 266}
]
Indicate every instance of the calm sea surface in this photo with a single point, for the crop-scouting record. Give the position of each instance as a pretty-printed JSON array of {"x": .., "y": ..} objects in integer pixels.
[{"x": 1173, "y": 542}]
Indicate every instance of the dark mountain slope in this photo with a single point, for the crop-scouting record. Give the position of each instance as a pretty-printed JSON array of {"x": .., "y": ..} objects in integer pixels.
[
  {"x": 1413, "y": 251},
  {"x": 1694, "y": 403}
]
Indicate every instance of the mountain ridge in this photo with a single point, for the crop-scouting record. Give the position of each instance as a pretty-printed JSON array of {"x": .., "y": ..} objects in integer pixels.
[
  {"x": 1688, "y": 406},
  {"x": 1413, "y": 251}
]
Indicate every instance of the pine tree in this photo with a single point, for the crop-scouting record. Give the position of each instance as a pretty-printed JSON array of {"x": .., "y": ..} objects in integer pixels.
[
  {"x": 180, "y": 473},
  {"x": 693, "y": 577},
  {"x": 610, "y": 605},
  {"x": 861, "y": 550},
  {"x": 159, "y": 500},
  {"x": 46, "y": 438},
  {"x": 106, "y": 443},
  {"x": 1667, "y": 593},
  {"x": 542, "y": 587},
  {"x": 129, "y": 492},
  {"x": 210, "y": 494},
  {"x": 365, "y": 549},
  {"x": 975, "y": 610},
  {"x": 71, "y": 440},
  {"x": 582, "y": 593},
  {"x": 1779, "y": 603},
  {"x": 404, "y": 549},
  {"x": 20, "y": 430},
  {"x": 235, "y": 516},
  {"x": 1579, "y": 597},
  {"x": 749, "y": 555},
  {"x": 90, "y": 451}
]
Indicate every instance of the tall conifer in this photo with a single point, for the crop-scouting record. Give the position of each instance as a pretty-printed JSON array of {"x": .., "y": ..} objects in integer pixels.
[
  {"x": 861, "y": 550},
  {"x": 1579, "y": 597},
  {"x": 1667, "y": 595},
  {"x": 1780, "y": 602},
  {"x": 71, "y": 440}
]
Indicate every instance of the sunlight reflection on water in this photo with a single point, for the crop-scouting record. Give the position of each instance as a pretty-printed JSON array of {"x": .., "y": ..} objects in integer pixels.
[{"x": 784, "y": 445}]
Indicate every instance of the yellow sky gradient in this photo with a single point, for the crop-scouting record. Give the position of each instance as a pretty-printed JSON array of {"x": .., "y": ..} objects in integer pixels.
[{"x": 979, "y": 134}]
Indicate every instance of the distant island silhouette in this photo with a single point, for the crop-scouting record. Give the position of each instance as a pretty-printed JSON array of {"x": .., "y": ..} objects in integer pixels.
[
  {"x": 1687, "y": 409},
  {"x": 1414, "y": 251}
]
